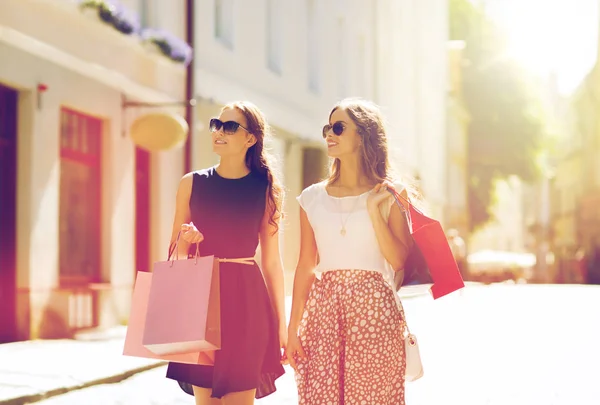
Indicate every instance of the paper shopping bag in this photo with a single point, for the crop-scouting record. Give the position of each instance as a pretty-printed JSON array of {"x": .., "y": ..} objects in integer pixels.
[
  {"x": 434, "y": 248},
  {"x": 135, "y": 328},
  {"x": 184, "y": 307}
]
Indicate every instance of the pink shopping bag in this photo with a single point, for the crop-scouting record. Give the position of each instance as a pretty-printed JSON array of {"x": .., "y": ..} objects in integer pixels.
[
  {"x": 135, "y": 329},
  {"x": 183, "y": 313}
]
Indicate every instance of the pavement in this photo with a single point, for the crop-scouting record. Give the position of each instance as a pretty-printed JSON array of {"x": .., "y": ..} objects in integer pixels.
[
  {"x": 33, "y": 370},
  {"x": 496, "y": 344},
  {"x": 38, "y": 369}
]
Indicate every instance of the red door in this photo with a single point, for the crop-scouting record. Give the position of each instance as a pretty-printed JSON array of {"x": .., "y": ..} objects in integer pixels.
[
  {"x": 142, "y": 210},
  {"x": 8, "y": 213}
]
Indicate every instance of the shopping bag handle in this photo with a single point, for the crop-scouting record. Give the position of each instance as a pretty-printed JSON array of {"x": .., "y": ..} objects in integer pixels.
[
  {"x": 406, "y": 211},
  {"x": 174, "y": 249},
  {"x": 397, "y": 196}
]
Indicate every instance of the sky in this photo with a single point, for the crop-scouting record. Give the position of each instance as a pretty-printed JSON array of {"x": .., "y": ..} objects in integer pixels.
[{"x": 550, "y": 36}]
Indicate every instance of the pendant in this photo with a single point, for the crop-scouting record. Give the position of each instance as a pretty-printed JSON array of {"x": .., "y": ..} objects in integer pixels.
[{"x": 343, "y": 231}]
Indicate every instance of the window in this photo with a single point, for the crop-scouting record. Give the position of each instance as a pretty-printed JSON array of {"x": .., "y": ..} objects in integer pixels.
[
  {"x": 224, "y": 22},
  {"x": 312, "y": 46},
  {"x": 361, "y": 68},
  {"x": 274, "y": 35},
  {"x": 147, "y": 9},
  {"x": 80, "y": 196},
  {"x": 342, "y": 58}
]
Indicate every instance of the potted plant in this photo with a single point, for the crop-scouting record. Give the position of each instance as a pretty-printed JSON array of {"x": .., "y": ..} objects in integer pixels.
[
  {"x": 113, "y": 13},
  {"x": 168, "y": 44}
]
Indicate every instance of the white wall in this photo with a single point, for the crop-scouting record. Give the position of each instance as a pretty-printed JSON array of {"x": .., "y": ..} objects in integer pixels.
[
  {"x": 404, "y": 69},
  {"x": 411, "y": 87},
  {"x": 52, "y": 46},
  {"x": 242, "y": 72}
]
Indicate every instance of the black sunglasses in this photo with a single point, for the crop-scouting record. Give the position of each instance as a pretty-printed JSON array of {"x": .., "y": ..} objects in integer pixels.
[
  {"x": 337, "y": 127},
  {"x": 229, "y": 127}
]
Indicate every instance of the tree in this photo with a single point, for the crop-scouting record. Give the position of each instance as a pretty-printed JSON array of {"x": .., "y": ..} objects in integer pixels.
[{"x": 507, "y": 127}]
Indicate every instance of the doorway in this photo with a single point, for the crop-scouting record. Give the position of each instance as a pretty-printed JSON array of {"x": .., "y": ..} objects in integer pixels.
[{"x": 8, "y": 214}]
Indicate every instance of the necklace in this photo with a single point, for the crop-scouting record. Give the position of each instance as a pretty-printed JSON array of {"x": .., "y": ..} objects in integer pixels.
[{"x": 343, "y": 227}]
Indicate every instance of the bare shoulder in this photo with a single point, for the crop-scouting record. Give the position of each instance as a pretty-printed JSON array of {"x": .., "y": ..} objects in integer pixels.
[
  {"x": 184, "y": 190},
  {"x": 186, "y": 181}
]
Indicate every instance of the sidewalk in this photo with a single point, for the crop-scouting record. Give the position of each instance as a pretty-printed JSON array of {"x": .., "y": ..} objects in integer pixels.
[{"x": 34, "y": 370}]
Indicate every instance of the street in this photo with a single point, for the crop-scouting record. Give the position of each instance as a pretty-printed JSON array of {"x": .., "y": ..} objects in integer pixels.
[
  {"x": 151, "y": 388},
  {"x": 499, "y": 344}
]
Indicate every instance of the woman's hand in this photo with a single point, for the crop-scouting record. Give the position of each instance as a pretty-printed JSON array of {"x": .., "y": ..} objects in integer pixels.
[
  {"x": 294, "y": 350},
  {"x": 283, "y": 338},
  {"x": 379, "y": 194},
  {"x": 191, "y": 234}
]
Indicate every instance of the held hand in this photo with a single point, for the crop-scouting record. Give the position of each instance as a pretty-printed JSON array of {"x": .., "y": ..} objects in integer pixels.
[
  {"x": 294, "y": 350},
  {"x": 379, "y": 194},
  {"x": 190, "y": 233},
  {"x": 283, "y": 337}
]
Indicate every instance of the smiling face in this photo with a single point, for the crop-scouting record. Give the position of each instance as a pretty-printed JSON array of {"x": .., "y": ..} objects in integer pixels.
[
  {"x": 362, "y": 132},
  {"x": 341, "y": 135},
  {"x": 231, "y": 142}
]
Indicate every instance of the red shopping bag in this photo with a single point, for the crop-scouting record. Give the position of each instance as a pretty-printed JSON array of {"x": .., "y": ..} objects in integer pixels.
[
  {"x": 137, "y": 321},
  {"x": 433, "y": 245},
  {"x": 183, "y": 313}
]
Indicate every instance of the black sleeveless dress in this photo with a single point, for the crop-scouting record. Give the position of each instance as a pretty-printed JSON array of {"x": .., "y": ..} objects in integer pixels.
[{"x": 228, "y": 212}]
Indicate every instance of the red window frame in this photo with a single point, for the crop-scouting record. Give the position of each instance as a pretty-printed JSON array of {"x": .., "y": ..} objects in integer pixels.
[{"x": 81, "y": 147}]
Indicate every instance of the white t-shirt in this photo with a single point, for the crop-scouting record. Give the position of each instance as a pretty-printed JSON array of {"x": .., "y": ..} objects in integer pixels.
[{"x": 358, "y": 249}]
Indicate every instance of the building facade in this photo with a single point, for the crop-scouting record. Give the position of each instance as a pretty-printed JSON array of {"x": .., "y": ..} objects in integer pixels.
[
  {"x": 90, "y": 209},
  {"x": 70, "y": 173}
]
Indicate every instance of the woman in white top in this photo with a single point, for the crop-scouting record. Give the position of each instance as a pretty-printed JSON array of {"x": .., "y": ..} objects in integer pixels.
[{"x": 345, "y": 337}]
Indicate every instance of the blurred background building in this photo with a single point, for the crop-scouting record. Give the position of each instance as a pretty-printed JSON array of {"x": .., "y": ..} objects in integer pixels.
[{"x": 575, "y": 185}]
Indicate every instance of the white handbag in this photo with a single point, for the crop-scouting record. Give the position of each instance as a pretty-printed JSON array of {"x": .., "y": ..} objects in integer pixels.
[{"x": 414, "y": 367}]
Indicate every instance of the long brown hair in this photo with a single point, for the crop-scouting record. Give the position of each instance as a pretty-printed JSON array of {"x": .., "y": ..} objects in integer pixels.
[
  {"x": 374, "y": 150},
  {"x": 370, "y": 127},
  {"x": 258, "y": 158}
]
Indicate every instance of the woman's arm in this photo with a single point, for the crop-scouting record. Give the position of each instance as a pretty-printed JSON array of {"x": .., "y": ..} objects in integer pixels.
[
  {"x": 393, "y": 235},
  {"x": 305, "y": 275},
  {"x": 182, "y": 214},
  {"x": 272, "y": 265}
]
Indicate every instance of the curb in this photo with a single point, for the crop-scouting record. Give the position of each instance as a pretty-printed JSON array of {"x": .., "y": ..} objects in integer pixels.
[{"x": 28, "y": 399}]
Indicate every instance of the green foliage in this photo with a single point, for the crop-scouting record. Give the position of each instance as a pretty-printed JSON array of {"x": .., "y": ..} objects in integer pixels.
[{"x": 507, "y": 124}]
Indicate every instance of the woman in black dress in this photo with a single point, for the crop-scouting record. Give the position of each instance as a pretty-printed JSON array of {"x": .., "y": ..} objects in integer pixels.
[{"x": 230, "y": 209}]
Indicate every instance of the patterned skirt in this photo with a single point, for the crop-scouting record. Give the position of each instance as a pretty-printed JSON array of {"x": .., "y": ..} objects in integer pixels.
[{"x": 351, "y": 332}]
